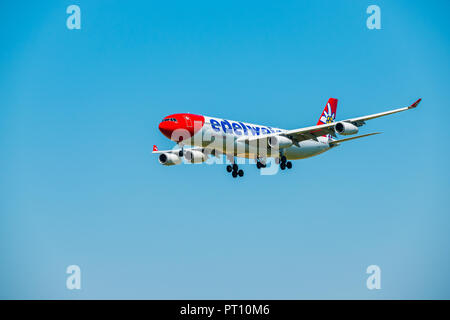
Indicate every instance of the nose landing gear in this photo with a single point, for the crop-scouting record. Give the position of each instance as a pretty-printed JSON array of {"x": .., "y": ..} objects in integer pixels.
[{"x": 260, "y": 164}]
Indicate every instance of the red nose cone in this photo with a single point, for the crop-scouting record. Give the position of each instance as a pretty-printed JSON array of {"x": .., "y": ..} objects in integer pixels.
[
  {"x": 166, "y": 129},
  {"x": 181, "y": 126}
]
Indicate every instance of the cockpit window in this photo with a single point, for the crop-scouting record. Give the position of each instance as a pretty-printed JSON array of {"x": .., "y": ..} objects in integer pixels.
[{"x": 170, "y": 119}]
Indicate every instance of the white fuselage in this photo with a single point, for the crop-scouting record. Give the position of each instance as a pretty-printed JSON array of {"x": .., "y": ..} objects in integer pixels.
[{"x": 222, "y": 134}]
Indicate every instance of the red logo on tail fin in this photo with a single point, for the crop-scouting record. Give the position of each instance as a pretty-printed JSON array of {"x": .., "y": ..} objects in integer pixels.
[
  {"x": 155, "y": 148},
  {"x": 329, "y": 112}
]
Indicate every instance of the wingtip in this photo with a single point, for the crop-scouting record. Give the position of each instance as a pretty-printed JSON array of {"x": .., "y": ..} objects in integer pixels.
[{"x": 415, "y": 103}]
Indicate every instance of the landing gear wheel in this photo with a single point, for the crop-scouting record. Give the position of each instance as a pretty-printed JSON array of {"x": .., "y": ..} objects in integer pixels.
[
  {"x": 258, "y": 165},
  {"x": 283, "y": 159},
  {"x": 240, "y": 173},
  {"x": 282, "y": 166},
  {"x": 289, "y": 165},
  {"x": 229, "y": 168},
  {"x": 235, "y": 167},
  {"x": 234, "y": 174}
]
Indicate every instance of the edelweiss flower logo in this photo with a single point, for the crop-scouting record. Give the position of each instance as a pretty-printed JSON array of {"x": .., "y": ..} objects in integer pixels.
[{"x": 327, "y": 116}]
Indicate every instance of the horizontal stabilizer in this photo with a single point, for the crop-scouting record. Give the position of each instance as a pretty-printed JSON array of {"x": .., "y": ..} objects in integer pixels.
[{"x": 332, "y": 143}]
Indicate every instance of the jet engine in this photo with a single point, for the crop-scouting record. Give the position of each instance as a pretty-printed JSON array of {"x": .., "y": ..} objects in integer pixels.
[
  {"x": 345, "y": 128},
  {"x": 279, "y": 142},
  {"x": 169, "y": 159},
  {"x": 194, "y": 156}
]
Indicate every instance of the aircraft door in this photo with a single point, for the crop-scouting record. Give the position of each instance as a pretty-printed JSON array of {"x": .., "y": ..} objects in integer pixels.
[{"x": 188, "y": 121}]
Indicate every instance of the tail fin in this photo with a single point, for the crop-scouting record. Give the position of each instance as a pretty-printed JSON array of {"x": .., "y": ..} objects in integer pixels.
[
  {"x": 155, "y": 148},
  {"x": 329, "y": 112}
]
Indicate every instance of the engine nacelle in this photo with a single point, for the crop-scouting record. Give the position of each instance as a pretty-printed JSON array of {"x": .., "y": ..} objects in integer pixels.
[
  {"x": 169, "y": 159},
  {"x": 194, "y": 156},
  {"x": 345, "y": 128},
  {"x": 279, "y": 142}
]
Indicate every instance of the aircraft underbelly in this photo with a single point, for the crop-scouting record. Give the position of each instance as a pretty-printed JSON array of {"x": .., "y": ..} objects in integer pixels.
[{"x": 308, "y": 148}]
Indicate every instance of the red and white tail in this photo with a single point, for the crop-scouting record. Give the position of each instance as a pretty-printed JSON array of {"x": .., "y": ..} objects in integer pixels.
[
  {"x": 155, "y": 148},
  {"x": 329, "y": 112}
]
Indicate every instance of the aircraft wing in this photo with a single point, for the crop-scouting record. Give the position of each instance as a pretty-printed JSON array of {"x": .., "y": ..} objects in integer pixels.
[
  {"x": 316, "y": 131},
  {"x": 157, "y": 151},
  {"x": 211, "y": 151}
]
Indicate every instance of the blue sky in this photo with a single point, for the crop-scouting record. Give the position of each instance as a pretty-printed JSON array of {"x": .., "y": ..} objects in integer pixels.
[{"x": 79, "y": 185}]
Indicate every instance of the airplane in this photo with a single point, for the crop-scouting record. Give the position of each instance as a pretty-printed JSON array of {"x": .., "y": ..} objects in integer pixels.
[{"x": 210, "y": 136}]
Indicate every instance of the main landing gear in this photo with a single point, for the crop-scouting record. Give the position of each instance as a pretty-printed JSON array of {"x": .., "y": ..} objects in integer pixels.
[
  {"x": 235, "y": 171},
  {"x": 284, "y": 163}
]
